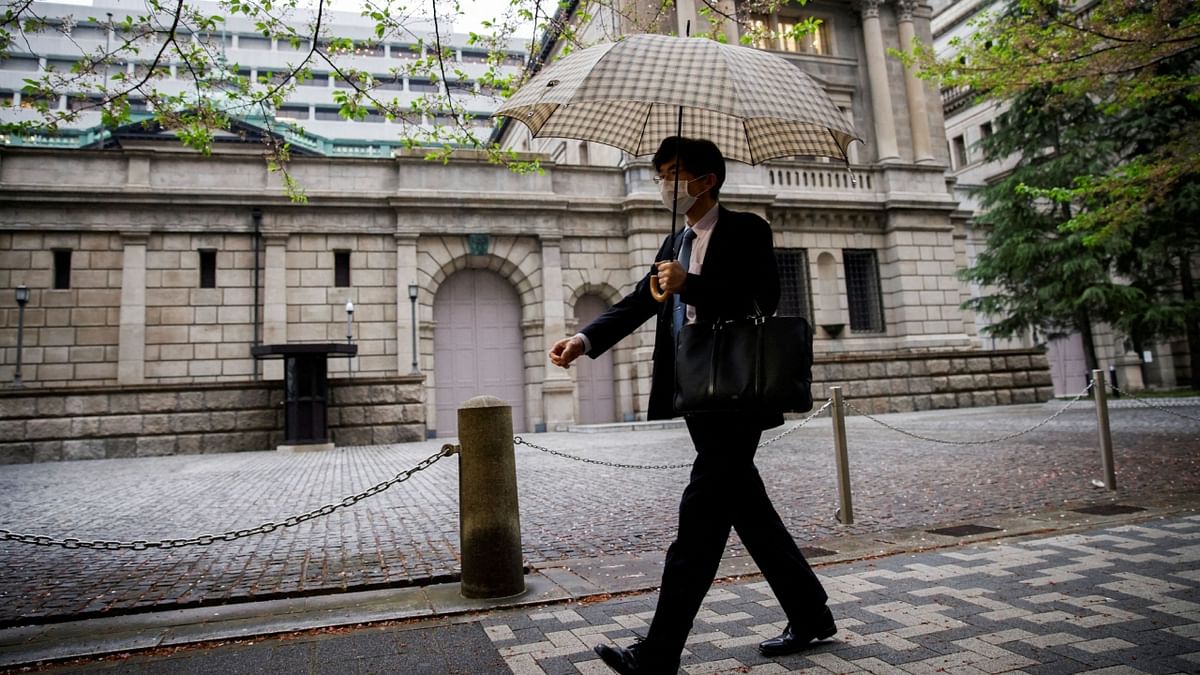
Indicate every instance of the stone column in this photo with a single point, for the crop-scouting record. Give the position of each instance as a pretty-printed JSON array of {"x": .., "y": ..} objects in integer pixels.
[
  {"x": 406, "y": 273},
  {"x": 131, "y": 351},
  {"x": 918, "y": 115},
  {"x": 274, "y": 299},
  {"x": 881, "y": 97},
  {"x": 558, "y": 391}
]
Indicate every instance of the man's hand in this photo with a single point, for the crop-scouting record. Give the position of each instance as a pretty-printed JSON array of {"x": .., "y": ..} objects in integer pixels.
[
  {"x": 671, "y": 277},
  {"x": 565, "y": 351}
]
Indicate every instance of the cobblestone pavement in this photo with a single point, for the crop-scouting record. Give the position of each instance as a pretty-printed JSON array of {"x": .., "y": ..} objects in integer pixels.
[
  {"x": 1122, "y": 600},
  {"x": 570, "y": 510}
]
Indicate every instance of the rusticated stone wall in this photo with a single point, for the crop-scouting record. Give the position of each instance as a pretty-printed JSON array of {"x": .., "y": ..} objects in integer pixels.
[
  {"x": 879, "y": 383},
  {"x": 377, "y": 411},
  {"x": 42, "y": 425}
]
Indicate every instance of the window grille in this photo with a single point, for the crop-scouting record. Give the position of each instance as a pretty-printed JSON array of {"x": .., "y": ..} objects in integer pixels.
[
  {"x": 863, "y": 294},
  {"x": 795, "y": 288}
]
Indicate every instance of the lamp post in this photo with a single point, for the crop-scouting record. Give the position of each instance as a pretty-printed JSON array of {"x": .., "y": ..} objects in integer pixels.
[
  {"x": 349, "y": 320},
  {"x": 22, "y": 298},
  {"x": 412, "y": 299}
]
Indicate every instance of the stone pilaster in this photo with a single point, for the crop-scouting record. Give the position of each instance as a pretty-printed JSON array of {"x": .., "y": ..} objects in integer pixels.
[
  {"x": 558, "y": 392},
  {"x": 914, "y": 89},
  {"x": 406, "y": 273},
  {"x": 881, "y": 96},
  {"x": 131, "y": 350},
  {"x": 921, "y": 292},
  {"x": 274, "y": 299}
]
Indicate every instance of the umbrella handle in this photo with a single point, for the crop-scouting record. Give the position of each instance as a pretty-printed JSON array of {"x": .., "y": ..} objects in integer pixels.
[{"x": 656, "y": 291}]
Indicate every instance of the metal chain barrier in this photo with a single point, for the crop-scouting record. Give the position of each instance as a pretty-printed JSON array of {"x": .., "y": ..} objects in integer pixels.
[
  {"x": 799, "y": 424},
  {"x": 231, "y": 535},
  {"x": 517, "y": 440},
  {"x": 986, "y": 441},
  {"x": 1143, "y": 400}
]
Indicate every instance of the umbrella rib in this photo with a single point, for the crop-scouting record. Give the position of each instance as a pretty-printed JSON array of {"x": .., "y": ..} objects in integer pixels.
[
  {"x": 646, "y": 123},
  {"x": 749, "y": 146}
]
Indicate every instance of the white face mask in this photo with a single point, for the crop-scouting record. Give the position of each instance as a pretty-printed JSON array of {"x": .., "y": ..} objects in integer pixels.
[{"x": 686, "y": 201}]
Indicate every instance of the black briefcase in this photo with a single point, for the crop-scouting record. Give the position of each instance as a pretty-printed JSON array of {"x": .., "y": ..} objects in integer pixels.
[{"x": 756, "y": 364}]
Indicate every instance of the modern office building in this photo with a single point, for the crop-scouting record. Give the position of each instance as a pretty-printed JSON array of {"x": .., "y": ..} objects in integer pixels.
[{"x": 76, "y": 33}]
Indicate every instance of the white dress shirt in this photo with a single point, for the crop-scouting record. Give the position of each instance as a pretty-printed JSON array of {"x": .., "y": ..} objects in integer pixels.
[{"x": 704, "y": 229}]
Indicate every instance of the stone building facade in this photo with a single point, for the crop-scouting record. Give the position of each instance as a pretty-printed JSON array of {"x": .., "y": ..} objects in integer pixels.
[
  {"x": 176, "y": 264},
  {"x": 522, "y": 252}
]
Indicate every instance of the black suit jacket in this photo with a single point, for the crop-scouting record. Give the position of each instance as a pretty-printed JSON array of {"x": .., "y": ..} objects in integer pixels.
[{"x": 738, "y": 271}]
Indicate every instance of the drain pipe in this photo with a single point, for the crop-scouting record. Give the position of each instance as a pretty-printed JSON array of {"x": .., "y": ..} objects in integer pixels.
[{"x": 256, "y": 216}]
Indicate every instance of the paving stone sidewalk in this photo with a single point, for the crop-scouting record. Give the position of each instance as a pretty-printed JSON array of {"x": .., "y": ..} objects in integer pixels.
[
  {"x": 569, "y": 510},
  {"x": 1121, "y": 600}
]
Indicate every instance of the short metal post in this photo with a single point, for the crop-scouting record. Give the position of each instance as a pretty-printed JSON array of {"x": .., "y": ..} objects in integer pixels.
[
  {"x": 1106, "y": 451},
  {"x": 489, "y": 520},
  {"x": 845, "y": 512}
]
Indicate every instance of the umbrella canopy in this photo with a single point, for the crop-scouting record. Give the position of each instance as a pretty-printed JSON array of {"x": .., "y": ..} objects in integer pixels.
[{"x": 755, "y": 106}]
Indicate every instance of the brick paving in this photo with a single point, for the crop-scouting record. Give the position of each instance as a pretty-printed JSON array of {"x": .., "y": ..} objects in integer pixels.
[
  {"x": 570, "y": 510},
  {"x": 1121, "y": 600}
]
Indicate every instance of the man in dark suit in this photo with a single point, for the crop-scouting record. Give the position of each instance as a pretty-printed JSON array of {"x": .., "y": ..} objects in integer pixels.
[{"x": 730, "y": 268}]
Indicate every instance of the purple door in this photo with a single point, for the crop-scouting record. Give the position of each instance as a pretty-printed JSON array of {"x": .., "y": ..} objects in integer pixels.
[
  {"x": 1068, "y": 364},
  {"x": 477, "y": 346},
  {"x": 594, "y": 378}
]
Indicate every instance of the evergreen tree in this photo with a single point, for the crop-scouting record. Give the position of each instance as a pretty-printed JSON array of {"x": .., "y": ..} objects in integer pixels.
[
  {"x": 1098, "y": 218},
  {"x": 1035, "y": 273}
]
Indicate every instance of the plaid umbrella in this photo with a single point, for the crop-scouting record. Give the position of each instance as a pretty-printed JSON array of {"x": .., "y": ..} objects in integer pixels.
[{"x": 634, "y": 93}]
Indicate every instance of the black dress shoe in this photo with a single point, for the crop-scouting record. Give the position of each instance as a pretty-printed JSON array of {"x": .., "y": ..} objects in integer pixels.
[
  {"x": 796, "y": 639},
  {"x": 633, "y": 660}
]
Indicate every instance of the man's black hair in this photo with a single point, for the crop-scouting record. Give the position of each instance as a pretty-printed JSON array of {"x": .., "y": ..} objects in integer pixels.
[{"x": 698, "y": 156}]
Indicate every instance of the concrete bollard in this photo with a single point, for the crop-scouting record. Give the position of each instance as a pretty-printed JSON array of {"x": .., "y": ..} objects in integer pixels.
[{"x": 489, "y": 520}]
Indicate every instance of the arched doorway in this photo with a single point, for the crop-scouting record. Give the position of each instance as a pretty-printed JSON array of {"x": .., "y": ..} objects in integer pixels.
[
  {"x": 594, "y": 377},
  {"x": 477, "y": 346}
]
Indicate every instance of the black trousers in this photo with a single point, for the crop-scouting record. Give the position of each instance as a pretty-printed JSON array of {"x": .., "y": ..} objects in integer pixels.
[{"x": 726, "y": 492}]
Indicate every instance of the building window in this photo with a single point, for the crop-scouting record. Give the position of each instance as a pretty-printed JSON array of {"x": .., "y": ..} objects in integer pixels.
[
  {"x": 423, "y": 86},
  {"x": 208, "y": 269},
  {"x": 795, "y": 294},
  {"x": 778, "y": 33},
  {"x": 62, "y": 269},
  {"x": 327, "y": 115},
  {"x": 863, "y": 294},
  {"x": 288, "y": 112},
  {"x": 259, "y": 43},
  {"x": 985, "y": 129},
  {"x": 960, "y": 152},
  {"x": 22, "y": 63},
  {"x": 341, "y": 269}
]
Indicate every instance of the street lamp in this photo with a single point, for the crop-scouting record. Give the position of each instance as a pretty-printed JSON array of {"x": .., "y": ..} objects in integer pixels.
[
  {"x": 22, "y": 298},
  {"x": 349, "y": 319},
  {"x": 412, "y": 298}
]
